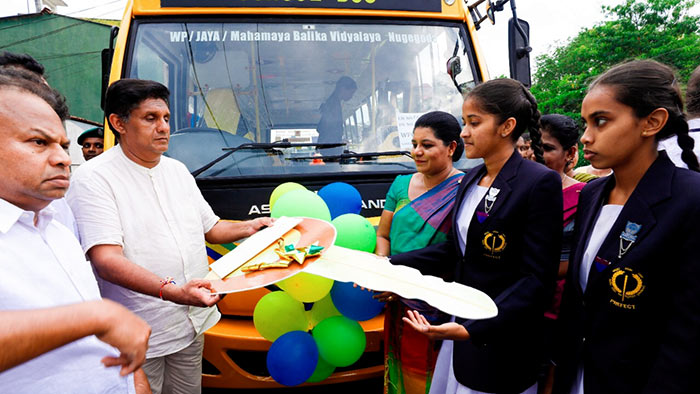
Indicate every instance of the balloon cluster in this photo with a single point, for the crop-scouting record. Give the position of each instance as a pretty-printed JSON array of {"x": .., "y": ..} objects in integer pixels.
[{"x": 336, "y": 338}]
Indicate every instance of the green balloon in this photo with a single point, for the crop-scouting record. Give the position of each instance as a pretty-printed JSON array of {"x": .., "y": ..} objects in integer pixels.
[
  {"x": 277, "y": 313},
  {"x": 323, "y": 370},
  {"x": 306, "y": 287},
  {"x": 282, "y": 189},
  {"x": 340, "y": 341},
  {"x": 301, "y": 203},
  {"x": 322, "y": 310},
  {"x": 355, "y": 232}
]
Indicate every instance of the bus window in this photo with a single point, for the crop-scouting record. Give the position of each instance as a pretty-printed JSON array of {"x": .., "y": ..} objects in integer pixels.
[
  {"x": 234, "y": 82},
  {"x": 149, "y": 65}
]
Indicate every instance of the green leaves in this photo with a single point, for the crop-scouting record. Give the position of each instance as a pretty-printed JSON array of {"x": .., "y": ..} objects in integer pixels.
[{"x": 638, "y": 29}]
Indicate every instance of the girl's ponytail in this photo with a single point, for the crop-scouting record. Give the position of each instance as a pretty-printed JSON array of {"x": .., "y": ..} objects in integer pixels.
[
  {"x": 687, "y": 143},
  {"x": 533, "y": 127}
]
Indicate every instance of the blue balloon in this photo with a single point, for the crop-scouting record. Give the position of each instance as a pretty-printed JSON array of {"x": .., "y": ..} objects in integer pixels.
[
  {"x": 355, "y": 303},
  {"x": 341, "y": 198},
  {"x": 292, "y": 358}
]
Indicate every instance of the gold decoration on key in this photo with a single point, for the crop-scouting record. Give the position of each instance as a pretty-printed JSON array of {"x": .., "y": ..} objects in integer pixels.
[{"x": 287, "y": 254}]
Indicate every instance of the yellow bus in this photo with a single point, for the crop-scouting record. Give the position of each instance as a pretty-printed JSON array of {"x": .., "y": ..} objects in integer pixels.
[{"x": 309, "y": 91}]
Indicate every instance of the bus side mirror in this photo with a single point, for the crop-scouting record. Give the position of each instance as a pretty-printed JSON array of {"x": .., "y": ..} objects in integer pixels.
[
  {"x": 107, "y": 55},
  {"x": 454, "y": 67},
  {"x": 519, "y": 50},
  {"x": 491, "y": 12}
]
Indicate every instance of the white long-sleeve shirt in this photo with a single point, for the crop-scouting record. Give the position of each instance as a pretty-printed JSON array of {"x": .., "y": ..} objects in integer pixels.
[{"x": 43, "y": 266}]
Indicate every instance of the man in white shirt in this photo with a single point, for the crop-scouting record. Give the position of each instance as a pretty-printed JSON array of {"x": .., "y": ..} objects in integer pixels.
[
  {"x": 692, "y": 104},
  {"x": 55, "y": 331},
  {"x": 143, "y": 222},
  {"x": 24, "y": 66}
]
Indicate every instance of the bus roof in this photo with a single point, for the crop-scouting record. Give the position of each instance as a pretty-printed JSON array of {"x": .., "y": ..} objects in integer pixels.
[{"x": 434, "y": 9}]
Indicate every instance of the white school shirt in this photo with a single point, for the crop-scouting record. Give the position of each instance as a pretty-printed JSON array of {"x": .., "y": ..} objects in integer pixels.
[
  {"x": 43, "y": 266},
  {"x": 159, "y": 217},
  {"x": 670, "y": 145},
  {"x": 606, "y": 218},
  {"x": 472, "y": 197}
]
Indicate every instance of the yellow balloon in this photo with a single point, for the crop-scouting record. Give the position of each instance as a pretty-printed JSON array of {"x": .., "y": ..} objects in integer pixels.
[
  {"x": 322, "y": 310},
  {"x": 277, "y": 313},
  {"x": 306, "y": 287},
  {"x": 283, "y": 188}
]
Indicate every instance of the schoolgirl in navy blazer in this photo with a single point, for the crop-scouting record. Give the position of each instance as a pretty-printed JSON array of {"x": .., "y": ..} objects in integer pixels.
[
  {"x": 512, "y": 254},
  {"x": 636, "y": 326}
]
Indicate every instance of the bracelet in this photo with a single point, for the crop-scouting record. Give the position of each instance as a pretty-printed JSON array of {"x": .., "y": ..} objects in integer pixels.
[{"x": 163, "y": 282}]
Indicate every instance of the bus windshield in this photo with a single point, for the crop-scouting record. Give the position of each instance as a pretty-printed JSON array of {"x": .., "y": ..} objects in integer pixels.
[{"x": 362, "y": 85}]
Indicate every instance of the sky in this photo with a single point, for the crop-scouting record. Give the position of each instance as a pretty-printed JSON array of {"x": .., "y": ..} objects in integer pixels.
[{"x": 552, "y": 23}]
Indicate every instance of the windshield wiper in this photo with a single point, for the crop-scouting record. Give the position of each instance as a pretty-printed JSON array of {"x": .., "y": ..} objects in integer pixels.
[
  {"x": 264, "y": 146},
  {"x": 353, "y": 155}
]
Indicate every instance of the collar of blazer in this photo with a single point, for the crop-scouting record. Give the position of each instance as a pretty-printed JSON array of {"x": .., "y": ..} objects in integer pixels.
[
  {"x": 653, "y": 188},
  {"x": 506, "y": 175},
  {"x": 509, "y": 171}
]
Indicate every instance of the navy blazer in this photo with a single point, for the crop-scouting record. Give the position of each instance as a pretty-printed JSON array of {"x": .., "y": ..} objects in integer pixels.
[
  {"x": 513, "y": 256},
  {"x": 636, "y": 328}
]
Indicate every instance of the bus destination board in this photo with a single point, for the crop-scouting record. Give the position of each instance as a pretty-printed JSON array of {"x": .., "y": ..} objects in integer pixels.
[{"x": 388, "y": 5}]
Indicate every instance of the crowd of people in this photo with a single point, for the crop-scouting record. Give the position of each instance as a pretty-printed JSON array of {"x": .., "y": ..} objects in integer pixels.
[
  {"x": 597, "y": 284},
  {"x": 139, "y": 303},
  {"x": 596, "y": 279}
]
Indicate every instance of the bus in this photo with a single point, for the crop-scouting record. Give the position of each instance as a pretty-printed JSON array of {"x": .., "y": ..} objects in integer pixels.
[{"x": 308, "y": 91}]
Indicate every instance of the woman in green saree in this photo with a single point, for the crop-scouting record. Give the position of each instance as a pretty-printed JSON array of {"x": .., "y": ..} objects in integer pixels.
[{"x": 417, "y": 214}]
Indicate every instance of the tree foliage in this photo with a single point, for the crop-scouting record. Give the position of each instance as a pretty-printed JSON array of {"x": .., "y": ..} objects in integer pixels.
[{"x": 638, "y": 29}]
